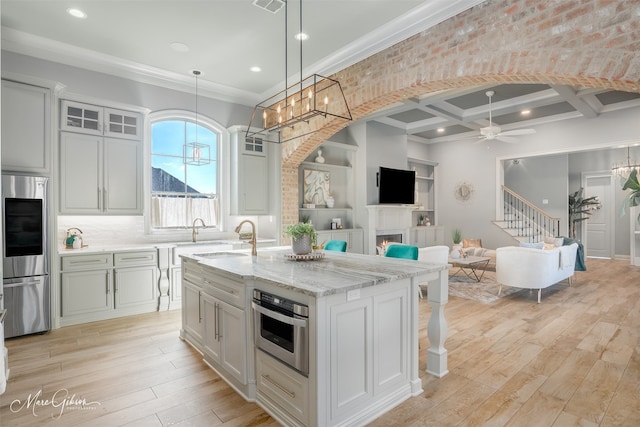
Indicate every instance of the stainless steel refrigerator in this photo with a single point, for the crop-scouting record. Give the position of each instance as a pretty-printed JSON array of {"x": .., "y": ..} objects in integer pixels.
[{"x": 26, "y": 288}]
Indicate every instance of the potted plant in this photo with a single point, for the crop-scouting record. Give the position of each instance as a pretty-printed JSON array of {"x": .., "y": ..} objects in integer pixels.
[
  {"x": 633, "y": 196},
  {"x": 456, "y": 236},
  {"x": 303, "y": 237},
  {"x": 579, "y": 209}
]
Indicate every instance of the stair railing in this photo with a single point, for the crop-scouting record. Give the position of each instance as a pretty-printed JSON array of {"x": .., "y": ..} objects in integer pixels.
[{"x": 526, "y": 219}]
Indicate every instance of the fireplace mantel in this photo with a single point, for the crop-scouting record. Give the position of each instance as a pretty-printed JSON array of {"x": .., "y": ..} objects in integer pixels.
[{"x": 388, "y": 219}]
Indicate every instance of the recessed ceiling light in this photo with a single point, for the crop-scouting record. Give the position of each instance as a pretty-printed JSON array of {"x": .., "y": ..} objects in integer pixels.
[
  {"x": 256, "y": 69},
  {"x": 301, "y": 36},
  {"x": 179, "y": 47},
  {"x": 440, "y": 130},
  {"x": 76, "y": 13},
  {"x": 525, "y": 112}
]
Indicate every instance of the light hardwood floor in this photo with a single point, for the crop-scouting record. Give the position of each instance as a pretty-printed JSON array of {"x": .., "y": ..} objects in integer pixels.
[{"x": 573, "y": 360}]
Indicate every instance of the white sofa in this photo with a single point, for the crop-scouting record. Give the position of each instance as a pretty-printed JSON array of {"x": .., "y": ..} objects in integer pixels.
[{"x": 531, "y": 268}]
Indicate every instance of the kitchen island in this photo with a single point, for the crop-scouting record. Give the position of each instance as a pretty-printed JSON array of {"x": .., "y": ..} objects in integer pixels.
[{"x": 361, "y": 332}]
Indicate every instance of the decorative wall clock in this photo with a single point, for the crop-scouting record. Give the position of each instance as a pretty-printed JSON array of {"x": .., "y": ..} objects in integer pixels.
[{"x": 463, "y": 191}]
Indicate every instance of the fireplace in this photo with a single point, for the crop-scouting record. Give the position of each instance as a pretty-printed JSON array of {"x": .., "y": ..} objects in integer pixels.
[
  {"x": 390, "y": 223},
  {"x": 384, "y": 240}
]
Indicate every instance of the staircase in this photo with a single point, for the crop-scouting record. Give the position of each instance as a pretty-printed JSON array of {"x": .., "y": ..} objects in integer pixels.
[{"x": 524, "y": 221}]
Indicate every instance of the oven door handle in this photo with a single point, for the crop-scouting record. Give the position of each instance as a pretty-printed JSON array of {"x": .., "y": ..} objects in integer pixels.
[{"x": 302, "y": 323}]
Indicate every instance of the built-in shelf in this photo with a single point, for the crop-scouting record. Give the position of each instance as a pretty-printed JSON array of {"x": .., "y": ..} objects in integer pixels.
[
  {"x": 425, "y": 196},
  {"x": 334, "y": 209},
  {"x": 339, "y": 167},
  {"x": 329, "y": 166}
]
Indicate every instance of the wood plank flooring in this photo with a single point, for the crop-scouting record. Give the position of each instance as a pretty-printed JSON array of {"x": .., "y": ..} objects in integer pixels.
[{"x": 573, "y": 360}]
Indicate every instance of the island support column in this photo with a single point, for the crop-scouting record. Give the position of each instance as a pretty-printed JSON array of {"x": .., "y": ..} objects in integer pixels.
[{"x": 437, "y": 328}]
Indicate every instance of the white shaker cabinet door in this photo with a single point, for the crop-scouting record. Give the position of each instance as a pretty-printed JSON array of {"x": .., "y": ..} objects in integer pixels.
[
  {"x": 136, "y": 286},
  {"x": 80, "y": 173},
  {"x": 86, "y": 292},
  {"x": 122, "y": 176},
  {"x": 26, "y": 129}
]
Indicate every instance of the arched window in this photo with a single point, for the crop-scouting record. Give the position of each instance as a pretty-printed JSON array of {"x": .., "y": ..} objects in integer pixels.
[{"x": 184, "y": 172}]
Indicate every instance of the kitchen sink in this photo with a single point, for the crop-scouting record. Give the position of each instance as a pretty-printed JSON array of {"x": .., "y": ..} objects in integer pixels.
[{"x": 217, "y": 255}]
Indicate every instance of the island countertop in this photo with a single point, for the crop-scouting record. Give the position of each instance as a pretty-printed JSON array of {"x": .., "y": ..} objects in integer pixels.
[{"x": 336, "y": 272}]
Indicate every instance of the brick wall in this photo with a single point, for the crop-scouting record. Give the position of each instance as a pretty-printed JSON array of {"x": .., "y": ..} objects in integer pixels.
[{"x": 590, "y": 43}]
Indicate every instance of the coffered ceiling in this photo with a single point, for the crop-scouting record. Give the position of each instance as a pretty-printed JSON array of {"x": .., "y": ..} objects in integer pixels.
[{"x": 162, "y": 41}]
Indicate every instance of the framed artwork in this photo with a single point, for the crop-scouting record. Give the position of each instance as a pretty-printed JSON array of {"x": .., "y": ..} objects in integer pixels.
[{"x": 316, "y": 186}]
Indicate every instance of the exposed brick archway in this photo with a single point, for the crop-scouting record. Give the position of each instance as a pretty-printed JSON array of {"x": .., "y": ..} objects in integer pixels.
[{"x": 590, "y": 43}]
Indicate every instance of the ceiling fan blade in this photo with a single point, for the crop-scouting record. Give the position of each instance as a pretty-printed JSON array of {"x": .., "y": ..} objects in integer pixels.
[
  {"x": 508, "y": 139},
  {"x": 481, "y": 139},
  {"x": 517, "y": 132}
]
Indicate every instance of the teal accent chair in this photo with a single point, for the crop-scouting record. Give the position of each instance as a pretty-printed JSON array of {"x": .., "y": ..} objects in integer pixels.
[
  {"x": 402, "y": 251},
  {"x": 336, "y": 245}
]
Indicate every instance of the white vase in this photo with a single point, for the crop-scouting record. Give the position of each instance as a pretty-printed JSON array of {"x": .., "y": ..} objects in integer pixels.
[
  {"x": 455, "y": 252},
  {"x": 302, "y": 245},
  {"x": 330, "y": 201}
]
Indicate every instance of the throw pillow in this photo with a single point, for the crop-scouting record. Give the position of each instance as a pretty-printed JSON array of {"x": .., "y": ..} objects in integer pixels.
[
  {"x": 536, "y": 245},
  {"x": 556, "y": 241},
  {"x": 472, "y": 243},
  {"x": 548, "y": 246}
]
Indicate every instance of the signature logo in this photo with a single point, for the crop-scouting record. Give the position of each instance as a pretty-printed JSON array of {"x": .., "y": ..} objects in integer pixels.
[{"x": 61, "y": 400}]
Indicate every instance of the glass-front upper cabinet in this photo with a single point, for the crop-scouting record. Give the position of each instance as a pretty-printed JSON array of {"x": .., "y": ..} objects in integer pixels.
[{"x": 95, "y": 120}]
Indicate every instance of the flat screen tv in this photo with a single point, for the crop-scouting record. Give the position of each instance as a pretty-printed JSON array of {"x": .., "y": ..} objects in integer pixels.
[{"x": 396, "y": 186}]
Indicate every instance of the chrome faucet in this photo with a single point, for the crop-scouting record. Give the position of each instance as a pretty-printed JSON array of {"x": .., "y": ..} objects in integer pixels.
[
  {"x": 254, "y": 251},
  {"x": 194, "y": 230}
]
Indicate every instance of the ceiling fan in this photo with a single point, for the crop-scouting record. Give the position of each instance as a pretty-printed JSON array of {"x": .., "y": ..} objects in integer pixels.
[{"x": 492, "y": 131}]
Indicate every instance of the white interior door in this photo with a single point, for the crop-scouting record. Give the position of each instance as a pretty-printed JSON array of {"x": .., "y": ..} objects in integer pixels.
[{"x": 598, "y": 230}]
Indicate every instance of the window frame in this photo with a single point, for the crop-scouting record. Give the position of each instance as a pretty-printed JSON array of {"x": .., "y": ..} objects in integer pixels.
[{"x": 222, "y": 179}]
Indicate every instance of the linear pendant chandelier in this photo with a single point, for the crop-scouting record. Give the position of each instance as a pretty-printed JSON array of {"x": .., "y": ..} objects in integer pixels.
[
  {"x": 286, "y": 115},
  {"x": 624, "y": 169}
]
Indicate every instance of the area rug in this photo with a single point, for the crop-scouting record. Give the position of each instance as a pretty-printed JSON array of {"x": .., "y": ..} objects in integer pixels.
[{"x": 485, "y": 291}]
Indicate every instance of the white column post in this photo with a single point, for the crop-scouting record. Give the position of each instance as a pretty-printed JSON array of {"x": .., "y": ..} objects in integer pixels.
[{"x": 437, "y": 328}]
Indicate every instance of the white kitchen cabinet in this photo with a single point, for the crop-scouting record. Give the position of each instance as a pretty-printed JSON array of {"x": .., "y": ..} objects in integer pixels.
[
  {"x": 92, "y": 289},
  {"x": 192, "y": 325},
  {"x": 26, "y": 128},
  {"x": 354, "y": 238},
  {"x": 100, "y": 175},
  {"x": 98, "y": 120},
  {"x": 250, "y": 179},
  {"x": 85, "y": 293},
  {"x": 214, "y": 320},
  {"x": 426, "y": 236},
  {"x": 136, "y": 283},
  {"x": 285, "y": 387},
  {"x": 87, "y": 286},
  {"x": 225, "y": 342}
]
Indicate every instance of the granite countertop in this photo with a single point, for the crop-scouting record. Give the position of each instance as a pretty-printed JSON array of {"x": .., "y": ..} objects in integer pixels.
[
  {"x": 123, "y": 247},
  {"x": 337, "y": 272}
]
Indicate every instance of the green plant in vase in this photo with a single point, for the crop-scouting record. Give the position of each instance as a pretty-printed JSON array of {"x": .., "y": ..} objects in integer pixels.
[
  {"x": 303, "y": 237},
  {"x": 633, "y": 196},
  {"x": 580, "y": 208},
  {"x": 456, "y": 236},
  {"x": 456, "y": 250}
]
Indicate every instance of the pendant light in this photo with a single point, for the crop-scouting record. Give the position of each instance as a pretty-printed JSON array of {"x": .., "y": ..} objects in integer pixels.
[
  {"x": 195, "y": 153},
  {"x": 294, "y": 107}
]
